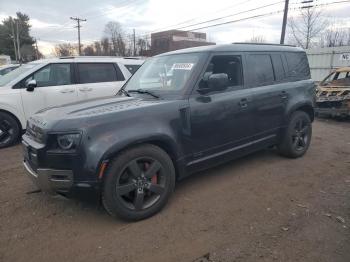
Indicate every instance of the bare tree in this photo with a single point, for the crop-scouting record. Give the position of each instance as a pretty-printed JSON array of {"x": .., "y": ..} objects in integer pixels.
[
  {"x": 114, "y": 33},
  {"x": 98, "y": 47},
  {"x": 105, "y": 46},
  {"x": 89, "y": 50},
  {"x": 66, "y": 49},
  {"x": 306, "y": 27},
  {"x": 142, "y": 45},
  {"x": 257, "y": 39},
  {"x": 335, "y": 36}
]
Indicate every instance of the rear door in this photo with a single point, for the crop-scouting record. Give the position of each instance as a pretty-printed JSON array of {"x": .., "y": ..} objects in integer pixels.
[
  {"x": 266, "y": 82},
  {"x": 55, "y": 86},
  {"x": 98, "y": 80}
]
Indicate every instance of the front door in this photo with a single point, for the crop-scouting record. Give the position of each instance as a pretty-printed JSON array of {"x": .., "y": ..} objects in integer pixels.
[
  {"x": 54, "y": 87},
  {"x": 220, "y": 120}
]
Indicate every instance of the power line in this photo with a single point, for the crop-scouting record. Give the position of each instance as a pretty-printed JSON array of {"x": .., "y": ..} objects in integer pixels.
[
  {"x": 246, "y": 18},
  {"x": 238, "y": 13},
  {"x": 270, "y": 13},
  {"x": 193, "y": 19}
]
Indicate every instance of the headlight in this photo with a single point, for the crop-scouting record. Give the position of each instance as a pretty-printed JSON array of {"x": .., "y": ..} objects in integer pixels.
[{"x": 68, "y": 141}]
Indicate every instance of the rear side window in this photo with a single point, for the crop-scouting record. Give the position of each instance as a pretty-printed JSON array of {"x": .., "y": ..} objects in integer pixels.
[
  {"x": 298, "y": 65},
  {"x": 132, "y": 68},
  {"x": 260, "y": 69},
  {"x": 278, "y": 67},
  {"x": 97, "y": 72}
]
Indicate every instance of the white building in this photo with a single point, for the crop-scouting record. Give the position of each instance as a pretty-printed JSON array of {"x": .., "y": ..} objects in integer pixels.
[
  {"x": 323, "y": 60},
  {"x": 5, "y": 60}
]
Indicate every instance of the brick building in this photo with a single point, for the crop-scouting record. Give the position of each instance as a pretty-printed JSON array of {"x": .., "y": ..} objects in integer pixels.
[{"x": 171, "y": 40}]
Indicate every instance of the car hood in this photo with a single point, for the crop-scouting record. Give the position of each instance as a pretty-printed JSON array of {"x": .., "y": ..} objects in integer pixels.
[{"x": 88, "y": 110}]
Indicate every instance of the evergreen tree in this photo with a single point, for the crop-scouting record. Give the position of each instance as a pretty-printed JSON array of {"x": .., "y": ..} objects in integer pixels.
[{"x": 8, "y": 33}]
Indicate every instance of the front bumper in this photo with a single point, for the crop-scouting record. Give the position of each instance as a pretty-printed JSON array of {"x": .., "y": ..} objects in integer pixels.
[{"x": 50, "y": 180}]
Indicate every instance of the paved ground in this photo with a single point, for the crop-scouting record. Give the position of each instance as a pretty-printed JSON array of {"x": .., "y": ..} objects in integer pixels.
[{"x": 259, "y": 208}]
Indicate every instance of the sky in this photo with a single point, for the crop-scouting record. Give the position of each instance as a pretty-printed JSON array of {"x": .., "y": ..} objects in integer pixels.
[{"x": 51, "y": 25}]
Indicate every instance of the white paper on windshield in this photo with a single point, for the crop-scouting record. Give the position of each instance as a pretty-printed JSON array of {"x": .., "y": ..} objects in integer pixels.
[{"x": 182, "y": 66}]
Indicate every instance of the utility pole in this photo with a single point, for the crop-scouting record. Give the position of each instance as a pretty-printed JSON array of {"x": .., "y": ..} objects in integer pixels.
[
  {"x": 284, "y": 23},
  {"x": 18, "y": 44},
  {"x": 14, "y": 39},
  {"x": 134, "y": 38},
  {"x": 78, "y": 26},
  {"x": 36, "y": 50}
]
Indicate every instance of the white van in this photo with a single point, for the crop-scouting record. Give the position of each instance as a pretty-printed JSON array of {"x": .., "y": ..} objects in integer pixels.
[{"x": 53, "y": 82}]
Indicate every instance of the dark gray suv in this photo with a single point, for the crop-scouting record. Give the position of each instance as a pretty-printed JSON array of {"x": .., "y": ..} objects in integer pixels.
[{"x": 181, "y": 112}]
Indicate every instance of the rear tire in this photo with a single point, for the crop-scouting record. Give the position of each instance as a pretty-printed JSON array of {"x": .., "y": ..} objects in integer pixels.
[
  {"x": 9, "y": 130},
  {"x": 297, "y": 136},
  {"x": 138, "y": 183}
]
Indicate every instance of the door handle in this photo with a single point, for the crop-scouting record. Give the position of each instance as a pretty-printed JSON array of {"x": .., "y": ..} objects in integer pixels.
[
  {"x": 284, "y": 95},
  {"x": 64, "y": 91},
  {"x": 85, "y": 89},
  {"x": 243, "y": 103}
]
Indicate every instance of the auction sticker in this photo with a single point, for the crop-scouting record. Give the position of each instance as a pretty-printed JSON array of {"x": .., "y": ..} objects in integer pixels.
[{"x": 182, "y": 66}]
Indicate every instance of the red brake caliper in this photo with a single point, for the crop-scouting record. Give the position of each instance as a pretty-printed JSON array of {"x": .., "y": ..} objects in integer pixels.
[{"x": 154, "y": 178}]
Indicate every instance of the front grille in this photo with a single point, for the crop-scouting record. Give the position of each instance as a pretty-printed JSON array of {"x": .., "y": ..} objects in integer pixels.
[{"x": 35, "y": 132}]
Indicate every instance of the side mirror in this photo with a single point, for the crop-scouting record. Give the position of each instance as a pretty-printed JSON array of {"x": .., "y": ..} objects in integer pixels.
[
  {"x": 30, "y": 85},
  {"x": 215, "y": 82}
]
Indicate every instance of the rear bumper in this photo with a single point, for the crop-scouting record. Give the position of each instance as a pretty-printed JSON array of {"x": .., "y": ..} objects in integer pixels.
[
  {"x": 50, "y": 180},
  {"x": 333, "y": 111}
]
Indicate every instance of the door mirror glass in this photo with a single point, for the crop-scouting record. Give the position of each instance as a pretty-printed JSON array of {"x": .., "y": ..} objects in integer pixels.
[{"x": 30, "y": 85}]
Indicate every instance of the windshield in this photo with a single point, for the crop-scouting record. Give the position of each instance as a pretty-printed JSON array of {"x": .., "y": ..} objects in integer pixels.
[
  {"x": 164, "y": 73},
  {"x": 5, "y": 79},
  {"x": 337, "y": 79}
]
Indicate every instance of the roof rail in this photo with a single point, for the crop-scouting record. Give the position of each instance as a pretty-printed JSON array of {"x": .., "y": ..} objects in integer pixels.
[
  {"x": 132, "y": 57},
  {"x": 249, "y": 43},
  {"x": 73, "y": 57}
]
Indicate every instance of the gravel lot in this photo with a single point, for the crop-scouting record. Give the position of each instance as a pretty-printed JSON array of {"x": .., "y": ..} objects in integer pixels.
[{"x": 260, "y": 208}]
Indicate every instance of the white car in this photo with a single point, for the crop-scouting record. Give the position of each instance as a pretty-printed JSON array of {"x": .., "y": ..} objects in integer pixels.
[{"x": 52, "y": 82}]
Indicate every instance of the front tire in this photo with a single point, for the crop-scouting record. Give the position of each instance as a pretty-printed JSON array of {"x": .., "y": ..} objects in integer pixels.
[
  {"x": 9, "y": 130},
  {"x": 138, "y": 183},
  {"x": 297, "y": 136}
]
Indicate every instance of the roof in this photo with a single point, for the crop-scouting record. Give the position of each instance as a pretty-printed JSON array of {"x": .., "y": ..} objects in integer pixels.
[
  {"x": 237, "y": 47},
  {"x": 100, "y": 59}
]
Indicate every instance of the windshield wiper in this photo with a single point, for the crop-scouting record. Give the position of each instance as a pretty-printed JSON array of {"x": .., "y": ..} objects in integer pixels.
[
  {"x": 143, "y": 91},
  {"x": 123, "y": 91}
]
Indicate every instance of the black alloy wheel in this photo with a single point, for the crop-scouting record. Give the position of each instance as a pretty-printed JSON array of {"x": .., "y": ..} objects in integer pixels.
[
  {"x": 141, "y": 183},
  {"x": 9, "y": 130},
  {"x": 138, "y": 182},
  {"x": 300, "y": 138},
  {"x": 297, "y": 136}
]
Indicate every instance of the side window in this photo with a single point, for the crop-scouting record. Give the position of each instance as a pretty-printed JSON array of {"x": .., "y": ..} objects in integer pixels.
[
  {"x": 278, "y": 67},
  {"x": 132, "y": 68},
  {"x": 97, "y": 72},
  {"x": 226, "y": 64},
  {"x": 261, "y": 71},
  {"x": 298, "y": 65},
  {"x": 53, "y": 75}
]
